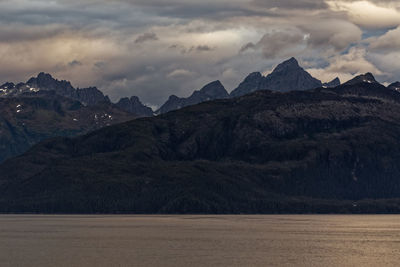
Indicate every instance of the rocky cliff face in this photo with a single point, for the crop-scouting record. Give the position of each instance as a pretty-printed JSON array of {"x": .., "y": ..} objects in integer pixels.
[
  {"x": 33, "y": 117},
  {"x": 87, "y": 96},
  {"x": 253, "y": 82},
  {"x": 365, "y": 78},
  {"x": 395, "y": 86},
  {"x": 332, "y": 84},
  {"x": 322, "y": 150},
  {"x": 45, "y": 82},
  {"x": 211, "y": 91},
  {"x": 134, "y": 106},
  {"x": 287, "y": 76},
  {"x": 91, "y": 96}
]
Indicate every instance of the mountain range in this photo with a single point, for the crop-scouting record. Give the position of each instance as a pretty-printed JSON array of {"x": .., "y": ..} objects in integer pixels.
[
  {"x": 45, "y": 107},
  {"x": 281, "y": 143},
  {"x": 287, "y": 76},
  {"x": 211, "y": 91},
  {"x": 319, "y": 150},
  {"x": 87, "y": 96},
  {"x": 33, "y": 117},
  {"x": 134, "y": 105},
  {"x": 45, "y": 82},
  {"x": 23, "y": 133}
]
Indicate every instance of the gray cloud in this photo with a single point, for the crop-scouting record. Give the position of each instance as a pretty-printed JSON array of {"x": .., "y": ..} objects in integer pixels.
[
  {"x": 203, "y": 48},
  {"x": 279, "y": 43},
  {"x": 369, "y": 14},
  {"x": 248, "y": 46},
  {"x": 97, "y": 42},
  {"x": 291, "y": 4},
  {"x": 330, "y": 36},
  {"x": 148, "y": 36},
  {"x": 75, "y": 63},
  {"x": 333, "y": 33},
  {"x": 387, "y": 42}
]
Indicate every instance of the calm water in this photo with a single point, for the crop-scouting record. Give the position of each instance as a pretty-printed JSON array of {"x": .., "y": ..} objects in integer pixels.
[{"x": 199, "y": 240}]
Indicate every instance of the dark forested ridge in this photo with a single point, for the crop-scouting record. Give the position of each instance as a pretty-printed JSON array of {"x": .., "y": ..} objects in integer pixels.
[
  {"x": 30, "y": 118},
  {"x": 322, "y": 150}
]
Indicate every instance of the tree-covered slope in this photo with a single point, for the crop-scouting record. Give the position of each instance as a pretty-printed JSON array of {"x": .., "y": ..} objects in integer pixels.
[
  {"x": 27, "y": 119},
  {"x": 324, "y": 150}
]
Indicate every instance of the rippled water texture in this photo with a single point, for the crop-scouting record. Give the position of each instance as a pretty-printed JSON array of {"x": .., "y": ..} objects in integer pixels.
[{"x": 199, "y": 240}]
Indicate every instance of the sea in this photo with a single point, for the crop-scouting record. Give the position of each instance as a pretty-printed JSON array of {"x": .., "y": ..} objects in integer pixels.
[{"x": 199, "y": 240}]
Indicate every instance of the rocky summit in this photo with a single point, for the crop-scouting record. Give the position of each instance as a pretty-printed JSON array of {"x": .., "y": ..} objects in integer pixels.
[
  {"x": 287, "y": 76},
  {"x": 211, "y": 91},
  {"x": 253, "y": 82},
  {"x": 87, "y": 96},
  {"x": 322, "y": 150},
  {"x": 45, "y": 82},
  {"x": 134, "y": 106},
  {"x": 365, "y": 78},
  {"x": 33, "y": 117},
  {"x": 395, "y": 86},
  {"x": 45, "y": 107},
  {"x": 332, "y": 84}
]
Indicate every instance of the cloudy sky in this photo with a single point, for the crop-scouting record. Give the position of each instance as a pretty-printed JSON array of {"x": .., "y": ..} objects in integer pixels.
[{"x": 155, "y": 48}]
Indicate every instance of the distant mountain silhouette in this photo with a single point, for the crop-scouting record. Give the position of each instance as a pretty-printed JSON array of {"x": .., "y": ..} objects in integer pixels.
[
  {"x": 211, "y": 91},
  {"x": 364, "y": 78},
  {"x": 45, "y": 82},
  {"x": 287, "y": 76},
  {"x": 253, "y": 82},
  {"x": 134, "y": 106},
  {"x": 332, "y": 84},
  {"x": 87, "y": 96}
]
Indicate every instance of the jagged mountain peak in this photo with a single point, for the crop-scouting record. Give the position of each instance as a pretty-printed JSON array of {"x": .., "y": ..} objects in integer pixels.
[
  {"x": 41, "y": 76},
  {"x": 172, "y": 97},
  {"x": 395, "y": 86},
  {"x": 363, "y": 78},
  {"x": 44, "y": 80},
  {"x": 287, "y": 76},
  {"x": 44, "y": 75},
  {"x": 253, "y": 75},
  {"x": 251, "y": 83},
  {"x": 133, "y": 105},
  {"x": 214, "y": 89},
  {"x": 335, "y": 82},
  {"x": 8, "y": 85},
  {"x": 135, "y": 99},
  {"x": 289, "y": 64}
]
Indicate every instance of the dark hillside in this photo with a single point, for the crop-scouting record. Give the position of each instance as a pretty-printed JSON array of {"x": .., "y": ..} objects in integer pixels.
[{"x": 324, "y": 150}]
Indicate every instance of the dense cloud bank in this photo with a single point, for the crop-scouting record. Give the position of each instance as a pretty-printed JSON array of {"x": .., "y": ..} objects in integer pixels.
[{"x": 155, "y": 48}]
